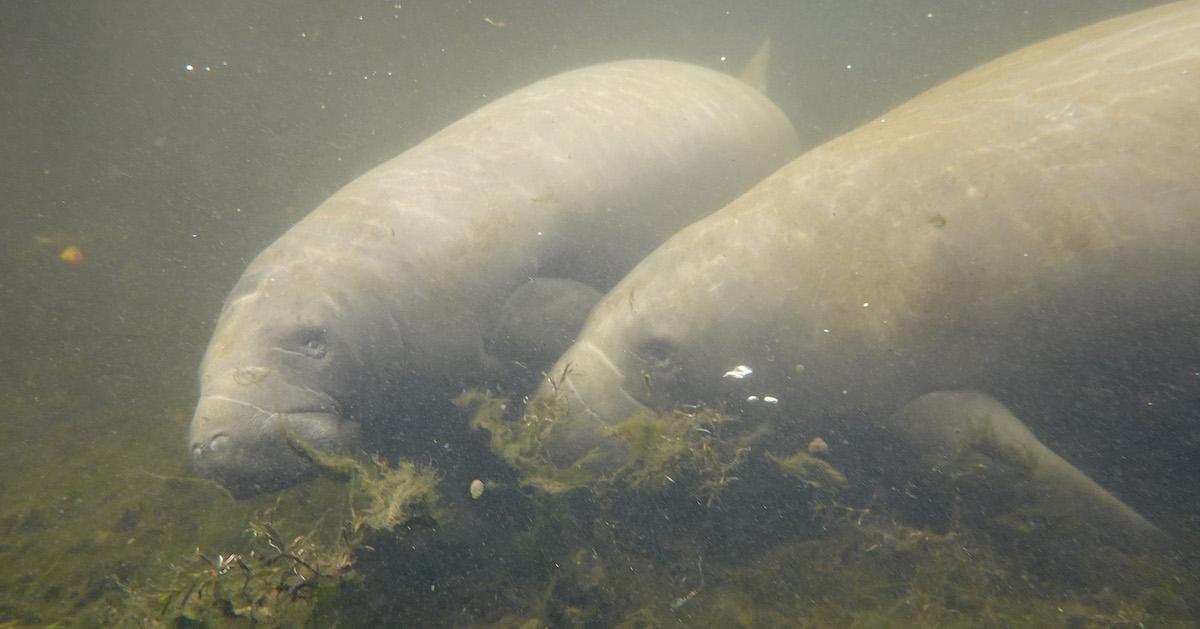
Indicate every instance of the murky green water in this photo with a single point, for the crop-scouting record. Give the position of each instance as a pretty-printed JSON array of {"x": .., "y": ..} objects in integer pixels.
[{"x": 168, "y": 143}]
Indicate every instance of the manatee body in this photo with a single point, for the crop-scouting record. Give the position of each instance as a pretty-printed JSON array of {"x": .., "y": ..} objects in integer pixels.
[
  {"x": 1031, "y": 215},
  {"x": 372, "y": 311},
  {"x": 539, "y": 320}
]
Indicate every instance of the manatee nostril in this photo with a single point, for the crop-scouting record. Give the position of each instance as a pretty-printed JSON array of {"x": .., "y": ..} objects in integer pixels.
[{"x": 216, "y": 443}]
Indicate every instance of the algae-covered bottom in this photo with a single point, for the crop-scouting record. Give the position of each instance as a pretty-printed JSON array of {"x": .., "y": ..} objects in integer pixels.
[{"x": 704, "y": 522}]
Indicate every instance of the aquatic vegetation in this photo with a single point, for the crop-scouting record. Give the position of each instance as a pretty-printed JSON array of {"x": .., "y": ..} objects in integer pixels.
[
  {"x": 381, "y": 496},
  {"x": 588, "y": 562},
  {"x": 844, "y": 564},
  {"x": 810, "y": 470},
  {"x": 276, "y": 578},
  {"x": 569, "y": 559},
  {"x": 864, "y": 570},
  {"x": 702, "y": 447},
  {"x": 385, "y": 497},
  {"x": 650, "y": 450},
  {"x": 870, "y": 571},
  {"x": 522, "y": 442}
]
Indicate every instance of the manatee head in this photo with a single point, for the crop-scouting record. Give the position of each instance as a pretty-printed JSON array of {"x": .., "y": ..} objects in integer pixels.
[
  {"x": 636, "y": 352},
  {"x": 280, "y": 369},
  {"x": 669, "y": 335}
]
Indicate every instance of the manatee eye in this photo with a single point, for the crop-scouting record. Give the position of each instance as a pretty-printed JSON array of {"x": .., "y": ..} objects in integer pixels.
[
  {"x": 656, "y": 352},
  {"x": 660, "y": 359},
  {"x": 663, "y": 382},
  {"x": 310, "y": 342}
]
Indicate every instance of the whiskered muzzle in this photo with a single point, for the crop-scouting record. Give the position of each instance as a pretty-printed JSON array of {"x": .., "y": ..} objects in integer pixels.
[{"x": 250, "y": 449}]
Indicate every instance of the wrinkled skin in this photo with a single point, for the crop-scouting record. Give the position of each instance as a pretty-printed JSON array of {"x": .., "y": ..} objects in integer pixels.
[
  {"x": 356, "y": 327},
  {"x": 1038, "y": 213}
]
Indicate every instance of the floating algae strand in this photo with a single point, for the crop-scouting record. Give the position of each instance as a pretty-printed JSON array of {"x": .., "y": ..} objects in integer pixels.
[{"x": 382, "y": 497}]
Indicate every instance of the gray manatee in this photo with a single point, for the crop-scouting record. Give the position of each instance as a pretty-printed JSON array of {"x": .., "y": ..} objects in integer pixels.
[
  {"x": 369, "y": 314},
  {"x": 1039, "y": 212},
  {"x": 539, "y": 320}
]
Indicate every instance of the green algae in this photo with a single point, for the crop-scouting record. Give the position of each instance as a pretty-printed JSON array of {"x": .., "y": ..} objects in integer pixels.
[
  {"x": 280, "y": 579},
  {"x": 381, "y": 496},
  {"x": 84, "y": 520},
  {"x": 646, "y": 452},
  {"x": 522, "y": 443},
  {"x": 700, "y": 448},
  {"x": 864, "y": 570},
  {"x": 810, "y": 470},
  {"x": 841, "y": 565},
  {"x": 276, "y": 580},
  {"x": 112, "y": 531},
  {"x": 870, "y": 571},
  {"x": 106, "y": 528}
]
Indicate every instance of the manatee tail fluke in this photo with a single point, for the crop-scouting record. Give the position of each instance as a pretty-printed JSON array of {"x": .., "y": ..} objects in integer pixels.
[
  {"x": 967, "y": 434},
  {"x": 754, "y": 73}
]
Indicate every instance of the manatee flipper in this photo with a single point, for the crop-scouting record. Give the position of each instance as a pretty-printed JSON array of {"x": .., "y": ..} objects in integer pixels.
[
  {"x": 539, "y": 322},
  {"x": 967, "y": 434}
]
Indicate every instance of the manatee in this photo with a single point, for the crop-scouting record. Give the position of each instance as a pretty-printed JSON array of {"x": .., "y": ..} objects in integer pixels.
[
  {"x": 1035, "y": 214},
  {"x": 539, "y": 320},
  {"x": 367, "y": 315}
]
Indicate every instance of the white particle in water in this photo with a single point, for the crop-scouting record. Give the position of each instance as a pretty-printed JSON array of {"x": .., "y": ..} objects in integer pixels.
[{"x": 738, "y": 373}]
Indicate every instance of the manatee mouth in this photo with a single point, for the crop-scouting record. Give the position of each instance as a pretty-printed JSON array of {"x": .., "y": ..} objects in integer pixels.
[{"x": 246, "y": 448}]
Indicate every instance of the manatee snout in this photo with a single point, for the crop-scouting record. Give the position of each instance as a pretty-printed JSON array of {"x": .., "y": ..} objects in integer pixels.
[
  {"x": 590, "y": 389},
  {"x": 246, "y": 448}
]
